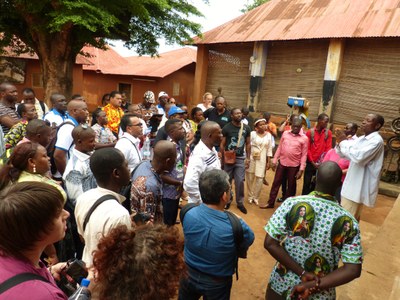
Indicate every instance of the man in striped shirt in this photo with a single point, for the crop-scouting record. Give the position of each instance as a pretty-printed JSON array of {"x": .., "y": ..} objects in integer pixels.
[{"x": 204, "y": 157}]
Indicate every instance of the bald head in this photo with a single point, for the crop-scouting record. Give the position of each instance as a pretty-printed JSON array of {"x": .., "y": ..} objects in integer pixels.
[
  {"x": 211, "y": 134},
  {"x": 329, "y": 176},
  {"x": 78, "y": 110},
  {"x": 163, "y": 150},
  {"x": 207, "y": 128}
]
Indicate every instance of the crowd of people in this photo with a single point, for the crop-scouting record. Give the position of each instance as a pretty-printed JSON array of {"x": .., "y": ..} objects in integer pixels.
[{"x": 109, "y": 193}]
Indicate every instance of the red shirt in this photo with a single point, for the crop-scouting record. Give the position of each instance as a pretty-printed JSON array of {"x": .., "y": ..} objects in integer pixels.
[
  {"x": 292, "y": 150},
  {"x": 320, "y": 145}
]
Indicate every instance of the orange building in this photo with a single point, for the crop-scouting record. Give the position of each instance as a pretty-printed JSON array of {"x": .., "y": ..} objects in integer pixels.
[{"x": 104, "y": 71}]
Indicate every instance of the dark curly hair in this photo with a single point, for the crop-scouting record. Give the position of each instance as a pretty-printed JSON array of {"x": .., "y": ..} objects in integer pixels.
[{"x": 144, "y": 263}]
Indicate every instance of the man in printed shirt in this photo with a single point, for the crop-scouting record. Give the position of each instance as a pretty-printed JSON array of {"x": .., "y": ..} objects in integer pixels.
[
  {"x": 319, "y": 142},
  {"x": 203, "y": 158},
  {"x": 292, "y": 155},
  {"x": 114, "y": 111},
  {"x": 308, "y": 235},
  {"x": 360, "y": 186},
  {"x": 146, "y": 190}
]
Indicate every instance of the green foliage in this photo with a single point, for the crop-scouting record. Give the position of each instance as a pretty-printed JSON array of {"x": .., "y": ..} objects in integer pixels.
[
  {"x": 137, "y": 22},
  {"x": 256, "y": 3}
]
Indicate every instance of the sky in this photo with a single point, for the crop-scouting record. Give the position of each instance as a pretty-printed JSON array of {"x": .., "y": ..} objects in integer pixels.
[{"x": 216, "y": 12}]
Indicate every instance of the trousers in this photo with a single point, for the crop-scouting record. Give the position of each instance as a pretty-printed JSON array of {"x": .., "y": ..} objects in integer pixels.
[
  {"x": 284, "y": 172},
  {"x": 236, "y": 172}
]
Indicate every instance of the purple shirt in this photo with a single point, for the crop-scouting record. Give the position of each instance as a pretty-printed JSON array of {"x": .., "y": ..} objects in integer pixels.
[{"x": 33, "y": 289}]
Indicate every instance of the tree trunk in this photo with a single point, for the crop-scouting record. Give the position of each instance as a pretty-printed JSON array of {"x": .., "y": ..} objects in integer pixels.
[
  {"x": 57, "y": 53},
  {"x": 57, "y": 74}
]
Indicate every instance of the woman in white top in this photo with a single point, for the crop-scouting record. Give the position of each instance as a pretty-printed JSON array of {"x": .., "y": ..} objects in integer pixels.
[
  {"x": 207, "y": 99},
  {"x": 261, "y": 152}
]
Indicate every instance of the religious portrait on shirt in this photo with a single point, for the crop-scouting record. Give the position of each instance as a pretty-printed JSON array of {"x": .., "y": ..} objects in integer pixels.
[
  {"x": 343, "y": 232},
  {"x": 317, "y": 264},
  {"x": 300, "y": 219}
]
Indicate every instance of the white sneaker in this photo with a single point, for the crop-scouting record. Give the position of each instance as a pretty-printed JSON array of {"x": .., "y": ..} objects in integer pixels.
[
  {"x": 255, "y": 201},
  {"x": 251, "y": 200}
]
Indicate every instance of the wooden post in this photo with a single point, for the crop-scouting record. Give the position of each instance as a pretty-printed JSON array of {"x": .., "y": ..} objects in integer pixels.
[
  {"x": 200, "y": 76},
  {"x": 258, "y": 63},
  {"x": 331, "y": 77}
]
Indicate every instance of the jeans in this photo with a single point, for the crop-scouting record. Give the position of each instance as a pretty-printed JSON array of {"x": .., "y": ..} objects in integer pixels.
[
  {"x": 237, "y": 173},
  {"x": 309, "y": 181},
  {"x": 199, "y": 284},
  {"x": 170, "y": 207}
]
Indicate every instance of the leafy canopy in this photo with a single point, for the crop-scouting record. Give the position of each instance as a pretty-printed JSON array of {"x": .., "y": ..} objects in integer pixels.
[
  {"x": 253, "y": 5},
  {"x": 137, "y": 22}
]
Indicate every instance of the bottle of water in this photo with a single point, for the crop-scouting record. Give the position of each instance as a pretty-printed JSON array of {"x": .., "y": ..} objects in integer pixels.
[
  {"x": 146, "y": 149},
  {"x": 103, "y": 136},
  {"x": 82, "y": 293}
]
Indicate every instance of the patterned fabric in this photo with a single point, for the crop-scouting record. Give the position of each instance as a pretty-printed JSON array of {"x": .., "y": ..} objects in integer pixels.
[
  {"x": 7, "y": 111},
  {"x": 146, "y": 192},
  {"x": 103, "y": 134},
  {"x": 15, "y": 134},
  {"x": 316, "y": 233},
  {"x": 78, "y": 177},
  {"x": 114, "y": 115}
]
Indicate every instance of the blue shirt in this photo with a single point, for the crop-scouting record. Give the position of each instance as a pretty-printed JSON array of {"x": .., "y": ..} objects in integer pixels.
[{"x": 209, "y": 243}]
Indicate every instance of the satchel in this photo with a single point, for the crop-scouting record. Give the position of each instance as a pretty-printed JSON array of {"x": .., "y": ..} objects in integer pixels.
[
  {"x": 230, "y": 157},
  {"x": 256, "y": 153}
]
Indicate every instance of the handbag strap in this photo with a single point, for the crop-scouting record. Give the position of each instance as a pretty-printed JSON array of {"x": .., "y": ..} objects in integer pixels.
[
  {"x": 20, "y": 278},
  {"x": 95, "y": 205},
  {"x": 240, "y": 134}
]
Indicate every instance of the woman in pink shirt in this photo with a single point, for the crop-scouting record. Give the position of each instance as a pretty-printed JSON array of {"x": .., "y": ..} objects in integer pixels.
[{"x": 31, "y": 217}]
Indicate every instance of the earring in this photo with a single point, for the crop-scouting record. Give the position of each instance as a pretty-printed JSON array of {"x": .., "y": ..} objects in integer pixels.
[{"x": 34, "y": 168}]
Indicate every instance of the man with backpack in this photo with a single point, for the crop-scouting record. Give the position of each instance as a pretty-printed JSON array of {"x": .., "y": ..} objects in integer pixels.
[
  {"x": 319, "y": 142},
  {"x": 93, "y": 218},
  {"x": 214, "y": 239}
]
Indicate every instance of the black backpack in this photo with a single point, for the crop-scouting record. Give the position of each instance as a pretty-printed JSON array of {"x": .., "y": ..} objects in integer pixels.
[{"x": 241, "y": 249}]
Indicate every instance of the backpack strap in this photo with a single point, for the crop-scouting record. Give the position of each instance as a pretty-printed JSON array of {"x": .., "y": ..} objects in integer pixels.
[
  {"x": 20, "y": 278},
  {"x": 95, "y": 205},
  {"x": 237, "y": 236},
  {"x": 185, "y": 209},
  {"x": 42, "y": 106}
]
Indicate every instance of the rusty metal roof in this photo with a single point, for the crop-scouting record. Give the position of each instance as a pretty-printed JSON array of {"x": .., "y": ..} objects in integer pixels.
[
  {"x": 310, "y": 19},
  {"x": 80, "y": 60},
  {"x": 161, "y": 66}
]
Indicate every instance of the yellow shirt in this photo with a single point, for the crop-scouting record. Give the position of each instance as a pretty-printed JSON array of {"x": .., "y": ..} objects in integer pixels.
[
  {"x": 25, "y": 176},
  {"x": 114, "y": 115}
]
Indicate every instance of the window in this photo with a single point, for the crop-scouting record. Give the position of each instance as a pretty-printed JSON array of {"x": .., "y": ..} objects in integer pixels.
[{"x": 126, "y": 87}]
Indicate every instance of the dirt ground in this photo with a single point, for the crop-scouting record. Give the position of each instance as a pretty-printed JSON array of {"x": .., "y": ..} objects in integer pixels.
[{"x": 255, "y": 270}]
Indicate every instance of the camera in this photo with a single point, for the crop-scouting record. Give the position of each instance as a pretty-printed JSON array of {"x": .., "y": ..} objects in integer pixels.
[{"x": 71, "y": 276}]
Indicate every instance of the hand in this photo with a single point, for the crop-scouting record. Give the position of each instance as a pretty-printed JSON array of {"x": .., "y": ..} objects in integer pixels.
[
  {"x": 299, "y": 174},
  {"x": 315, "y": 165},
  {"x": 268, "y": 166},
  {"x": 300, "y": 291},
  {"x": 273, "y": 167},
  {"x": 265, "y": 182},
  {"x": 57, "y": 269},
  {"x": 247, "y": 163}
]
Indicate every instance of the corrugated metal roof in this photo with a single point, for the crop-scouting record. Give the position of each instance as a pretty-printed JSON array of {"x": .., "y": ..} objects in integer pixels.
[
  {"x": 310, "y": 19},
  {"x": 161, "y": 66},
  {"x": 102, "y": 60},
  {"x": 80, "y": 60}
]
